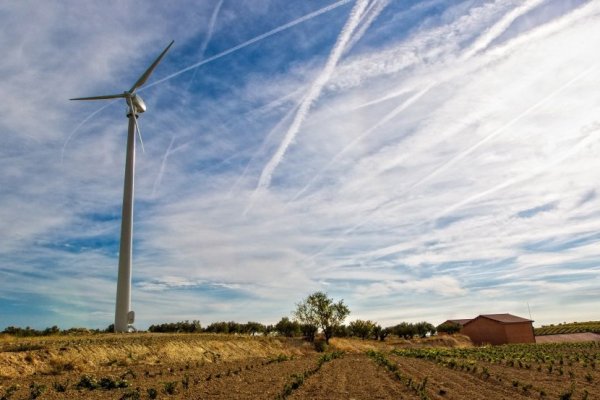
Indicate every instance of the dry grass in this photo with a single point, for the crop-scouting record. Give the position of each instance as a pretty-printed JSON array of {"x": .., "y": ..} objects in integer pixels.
[
  {"x": 55, "y": 355},
  {"x": 353, "y": 345}
]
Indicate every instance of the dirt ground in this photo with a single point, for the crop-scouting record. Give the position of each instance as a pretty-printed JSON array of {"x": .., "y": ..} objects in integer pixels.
[
  {"x": 229, "y": 367},
  {"x": 353, "y": 376}
]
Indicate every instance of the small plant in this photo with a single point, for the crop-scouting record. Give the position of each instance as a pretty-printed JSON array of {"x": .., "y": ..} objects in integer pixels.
[
  {"x": 321, "y": 346},
  {"x": 108, "y": 383},
  {"x": 152, "y": 393},
  {"x": 59, "y": 387},
  {"x": 589, "y": 378},
  {"x": 9, "y": 392},
  {"x": 185, "y": 382},
  {"x": 170, "y": 388},
  {"x": 585, "y": 395},
  {"x": 296, "y": 382},
  {"x": 129, "y": 373},
  {"x": 36, "y": 390},
  {"x": 87, "y": 382},
  {"x": 566, "y": 395},
  {"x": 131, "y": 395},
  {"x": 515, "y": 383}
]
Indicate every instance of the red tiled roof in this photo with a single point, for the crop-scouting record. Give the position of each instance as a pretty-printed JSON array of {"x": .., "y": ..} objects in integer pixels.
[{"x": 504, "y": 318}]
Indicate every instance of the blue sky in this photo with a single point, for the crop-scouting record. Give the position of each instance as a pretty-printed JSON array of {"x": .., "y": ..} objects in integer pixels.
[{"x": 422, "y": 160}]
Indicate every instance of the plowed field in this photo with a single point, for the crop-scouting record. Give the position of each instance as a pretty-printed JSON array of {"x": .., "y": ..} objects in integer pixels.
[{"x": 279, "y": 369}]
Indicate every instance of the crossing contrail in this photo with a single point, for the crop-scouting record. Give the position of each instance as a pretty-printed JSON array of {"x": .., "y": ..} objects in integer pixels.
[
  {"x": 209, "y": 34},
  {"x": 313, "y": 93},
  {"x": 74, "y": 131},
  {"x": 254, "y": 40},
  {"x": 502, "y": 129},
  {"x": 500, "y": 27},
  {"x": 403, "y": 106}
]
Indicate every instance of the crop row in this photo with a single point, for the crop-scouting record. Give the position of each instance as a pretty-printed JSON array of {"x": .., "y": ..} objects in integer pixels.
[
  {"x": 565, "y": 328},
  {"x": 586, "y": 354}
]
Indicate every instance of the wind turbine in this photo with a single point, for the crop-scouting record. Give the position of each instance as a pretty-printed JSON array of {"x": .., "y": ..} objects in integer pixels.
[{"x": 124, "y": 317}]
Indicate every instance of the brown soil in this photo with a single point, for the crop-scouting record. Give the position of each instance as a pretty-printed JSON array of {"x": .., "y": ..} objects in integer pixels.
[
  {"x": 250, "y": 379},
  {"x": 444, "y": 383},
  {"x": 353, "y": 376},
  {"x": 568, "y": 338}
]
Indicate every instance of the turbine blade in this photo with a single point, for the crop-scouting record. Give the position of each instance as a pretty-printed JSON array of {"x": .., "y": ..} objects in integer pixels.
[
  {"x": 135, "y": 122},
  {"x": 150, "y": 69},
  {"x": 137, "y": 128},
  {"x": 110, "y": 96}
]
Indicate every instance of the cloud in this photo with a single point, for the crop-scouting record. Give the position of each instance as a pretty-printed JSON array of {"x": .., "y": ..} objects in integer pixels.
[{"x": 422, "y": 158}]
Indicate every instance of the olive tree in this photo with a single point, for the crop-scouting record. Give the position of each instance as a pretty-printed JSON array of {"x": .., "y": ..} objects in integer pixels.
[
  {"x": 360, "y": 328},
  {"x": 320, "y": 311}
]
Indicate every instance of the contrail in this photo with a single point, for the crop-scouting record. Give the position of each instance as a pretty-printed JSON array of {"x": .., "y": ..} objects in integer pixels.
[
  {"x": 220, "y": 55},
  {"x": 86, "y": 119},
  {"x": 501, "y": 129},
  {"x": 371, "y": 14},
  {"x": 574, "y": 149},
  {"x": 455, "y": 159},
  {"x": 582, "y": 143},
  {"x": 252, "y": 41},
  {"x": 276, "y": 128},
  {"x": 314, "y": 92},
  {"x": 500, "y": 27},
  {"x": 209, "y": 34},
  {"x": 161, "y": 170},
  {"x": 403, "y": 106}
]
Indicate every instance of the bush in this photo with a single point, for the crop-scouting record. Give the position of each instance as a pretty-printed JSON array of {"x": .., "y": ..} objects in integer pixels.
[
  {"x": 449, "y": 328},
  {"x": 321, "y": 346},
  {"x": 287, "y": 328}
]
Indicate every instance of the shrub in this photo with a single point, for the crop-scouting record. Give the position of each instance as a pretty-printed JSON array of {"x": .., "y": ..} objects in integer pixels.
[
  {"x": 449, "y": 328},
  {"x": 36, "y": 390},
  {"x": 87, "y": 382},
  {"x": 321, "y": 346},
  {"x": 170, "y": 387}
]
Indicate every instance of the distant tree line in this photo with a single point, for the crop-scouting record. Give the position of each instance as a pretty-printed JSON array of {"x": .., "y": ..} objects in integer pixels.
[
  {"x": 316, "y": 313},
  {"x": 54, "y": 330}
]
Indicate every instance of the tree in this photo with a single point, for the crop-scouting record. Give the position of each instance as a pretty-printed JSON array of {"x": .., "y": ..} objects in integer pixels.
[
  {"x": 288, "y": 328},
  {"x": 361, "y": 329},
  {"x": 405, "y": 330},
  {"x": 319, "y": 310},
  {"x": 449, "y": 328},
  {"x": 380, "y": 333},
  {"x": 424, "y": 328}
]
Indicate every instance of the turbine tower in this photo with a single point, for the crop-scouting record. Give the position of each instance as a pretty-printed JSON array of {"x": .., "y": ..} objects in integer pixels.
[{"x": 124, "y": 317}]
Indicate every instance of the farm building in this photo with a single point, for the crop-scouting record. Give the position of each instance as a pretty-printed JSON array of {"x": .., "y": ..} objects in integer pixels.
[{"x": 497, "y": 329}]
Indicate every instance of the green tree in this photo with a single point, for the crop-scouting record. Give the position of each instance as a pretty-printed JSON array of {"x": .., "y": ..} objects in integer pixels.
[
  {"x": 424, "y": 328},
  {"x": 380, "y": 333},
  {"x": 361, "y": 329},
  {"x": 319, "y": 310},
  {"x": 449, "y": 328},
  {"x": 288, "y": 328}
]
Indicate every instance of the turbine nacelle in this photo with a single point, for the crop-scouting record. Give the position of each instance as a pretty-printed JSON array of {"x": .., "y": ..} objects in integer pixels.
[{"x": 137, "y": 105}]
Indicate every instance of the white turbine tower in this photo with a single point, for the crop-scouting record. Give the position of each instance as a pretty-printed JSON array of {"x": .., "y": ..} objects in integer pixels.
[{"x": 124, "y": 317}]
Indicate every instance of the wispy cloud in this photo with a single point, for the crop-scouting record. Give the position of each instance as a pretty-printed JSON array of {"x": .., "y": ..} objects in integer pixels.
[
  {"x": 412, "y": 159},
  {"x": 354, "y": 19}
]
